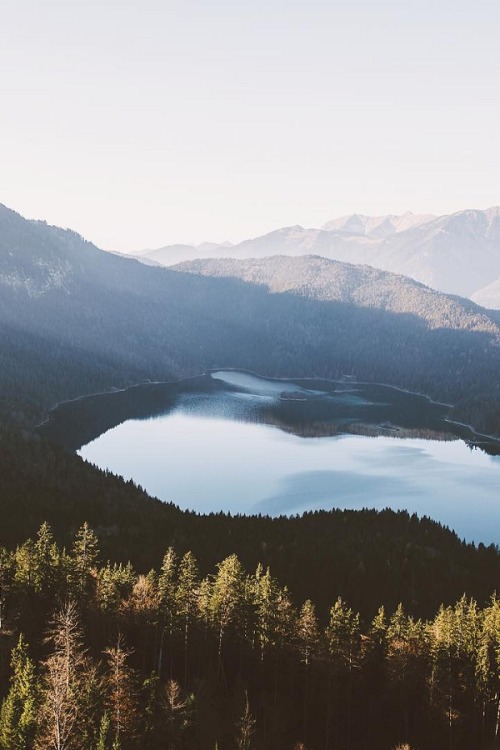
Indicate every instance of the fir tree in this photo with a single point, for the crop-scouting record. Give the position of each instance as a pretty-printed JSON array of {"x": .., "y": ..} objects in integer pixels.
[{"x": 19, "y": 713}]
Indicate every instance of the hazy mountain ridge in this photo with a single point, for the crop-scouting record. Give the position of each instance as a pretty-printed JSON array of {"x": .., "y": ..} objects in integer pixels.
[
  {"x": 81, "y": 320},
  {"x": 333, "y": 281},
  {"x": 377, "y": 226},
  {"x": 177, "y": 253},
  {"x": 457, "y": 253}
]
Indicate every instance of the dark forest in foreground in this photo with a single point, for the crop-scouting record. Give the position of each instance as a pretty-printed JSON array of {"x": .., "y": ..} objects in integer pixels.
[{"x": 102, "y": 657}]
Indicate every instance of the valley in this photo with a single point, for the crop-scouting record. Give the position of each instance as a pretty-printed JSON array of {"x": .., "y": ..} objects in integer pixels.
[{"x": 343, "y": 487}]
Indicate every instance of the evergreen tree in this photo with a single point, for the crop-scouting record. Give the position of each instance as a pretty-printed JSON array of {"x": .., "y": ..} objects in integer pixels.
[
  {"x": 308, "y": 642},
  {"x": 406, "y": 665},
  {"x": 102, "y": 740},
  {"x": 167, "y": 584},
  {"x": 114, "y": 583},
  {"x": 19, "y": 713},
  {"x": 268, "y": 598},
  {"x": 25, "y": 574},
  {"x": 488, "y": 671},
  {"x": 344, "y": 647},
  {"x": 186, "y": 599},
  {"x": 228, "y": 596},
  {"x": 47, "y": 557},
  {"x": 85, "y": 553}
]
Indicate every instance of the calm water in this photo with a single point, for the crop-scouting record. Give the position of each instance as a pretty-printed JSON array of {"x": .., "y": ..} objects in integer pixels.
[{"x": 237, "y": 443}]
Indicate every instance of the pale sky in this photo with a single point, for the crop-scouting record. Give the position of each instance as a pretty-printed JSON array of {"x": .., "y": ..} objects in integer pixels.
[{"x": 141, "y": 124}]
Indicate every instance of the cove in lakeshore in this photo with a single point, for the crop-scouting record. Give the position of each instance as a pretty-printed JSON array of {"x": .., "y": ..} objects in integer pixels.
[{"x": 234, "y": 442}]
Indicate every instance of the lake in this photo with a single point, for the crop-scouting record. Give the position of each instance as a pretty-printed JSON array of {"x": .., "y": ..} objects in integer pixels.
[{"x": 235, "y": 442}]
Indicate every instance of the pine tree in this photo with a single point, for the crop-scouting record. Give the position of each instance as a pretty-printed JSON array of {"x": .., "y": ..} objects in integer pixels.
[
  {"x": 102, "y": 740},
  {"x": 488, "y": 669},
  {"x": 344, "y": 646},
  {"x": 308, "y": 641},
  {"x": 85, "y": 553},
  {"x": 228, "y": 596},
  {"x": 25, "y": 567},
  {"x": 47, "y": 558},
  {"x": 406, "y": 665},
  {"x": 19, "y": 713},
  {"x": 186, "y": 599},
  {"x": 167, "y": 584},
  {"x": 268, "y": 597},
  {"x": 114, "y": 583}
]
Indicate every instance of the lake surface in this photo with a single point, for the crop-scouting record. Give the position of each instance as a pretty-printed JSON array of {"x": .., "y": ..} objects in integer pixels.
[{"x": 235, "y": 442}]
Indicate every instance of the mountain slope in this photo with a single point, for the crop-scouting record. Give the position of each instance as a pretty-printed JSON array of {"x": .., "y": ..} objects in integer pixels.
[
  {"x": 457, "y": 254},
  {"x": 172, "y": 254},
  {"x": 74, "y": 319},
  {"x": 362, "y": 286},
  {"x": 379, "y": 327}
]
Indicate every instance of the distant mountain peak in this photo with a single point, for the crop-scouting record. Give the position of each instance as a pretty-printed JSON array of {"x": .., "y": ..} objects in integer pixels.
[
  {"x": 457, "y": 253},
  {"x": 377, "y": 226}
]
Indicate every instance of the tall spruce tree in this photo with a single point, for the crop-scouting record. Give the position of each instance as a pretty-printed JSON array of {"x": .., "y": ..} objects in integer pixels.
[
  {"x": 19, "y": 713},
  {"x": 186, "y": 599},
  {"x": 85, "y": 553},
  {"x": 167, "y": 584},
  {"x": 228, "y": 596}
]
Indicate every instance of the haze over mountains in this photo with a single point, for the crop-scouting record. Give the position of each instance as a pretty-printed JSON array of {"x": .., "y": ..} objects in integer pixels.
[
  {"x": 76, "y": 319},
  {"x": 318, "y": 278},
  {"x": 457, "y": 253}
]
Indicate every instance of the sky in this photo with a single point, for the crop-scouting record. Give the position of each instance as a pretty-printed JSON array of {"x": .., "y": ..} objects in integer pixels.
[{"x": 141, "y": 124}]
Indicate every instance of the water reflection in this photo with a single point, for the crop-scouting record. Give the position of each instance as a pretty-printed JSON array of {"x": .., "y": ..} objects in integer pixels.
[{"x": 235, "y": 442}]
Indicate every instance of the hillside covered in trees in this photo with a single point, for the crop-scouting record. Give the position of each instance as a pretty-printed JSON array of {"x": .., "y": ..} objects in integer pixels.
[
  {"x": 210, "y": 649},
  {"x": 76, "y": 320},
  {"x": 455, "y": 253},
  {"x": 102, "y": 657}
]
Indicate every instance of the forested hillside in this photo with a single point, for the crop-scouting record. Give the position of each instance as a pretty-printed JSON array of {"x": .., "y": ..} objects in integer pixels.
[
  {"x": 75, "y": 320},
  {"x": 370, "y": 557},
  {"x": 456, "y": 253},
  {"x": 103, "y": 657},
  {"x": 325, "y": 280}
]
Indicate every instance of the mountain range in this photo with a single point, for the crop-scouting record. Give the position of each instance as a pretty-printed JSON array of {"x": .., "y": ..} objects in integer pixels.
[
  {"x": 75, "y": 319},
  {"x": 457, "y": 253}
]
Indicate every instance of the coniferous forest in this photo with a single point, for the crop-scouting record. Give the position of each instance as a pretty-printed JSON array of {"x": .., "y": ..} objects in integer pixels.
[
  {"x": 126, "y": 623},
  {"x": 95, "y": 655}
]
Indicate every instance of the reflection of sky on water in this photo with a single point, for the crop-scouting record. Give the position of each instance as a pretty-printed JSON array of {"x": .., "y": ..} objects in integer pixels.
[
  {"x": 212, "y": 463},
  {"x": 256, "y": 385},
  {"x": 268, "y": 388}
]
